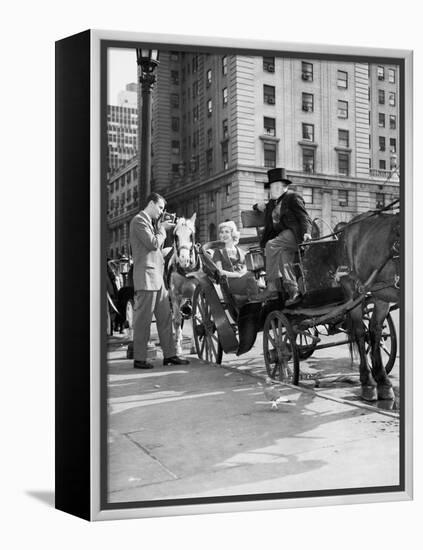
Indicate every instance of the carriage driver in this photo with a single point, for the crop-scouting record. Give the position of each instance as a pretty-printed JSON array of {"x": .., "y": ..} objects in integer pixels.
[{"x": 287, "y": 224}]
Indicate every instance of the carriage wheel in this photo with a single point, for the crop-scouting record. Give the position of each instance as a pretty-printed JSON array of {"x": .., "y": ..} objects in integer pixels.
[
  {"x": 204, "y": 329},
  {"x": 306, "y": 342},
  {"x": 388, "y": 342},
  {"x": 279, "y": 348}
]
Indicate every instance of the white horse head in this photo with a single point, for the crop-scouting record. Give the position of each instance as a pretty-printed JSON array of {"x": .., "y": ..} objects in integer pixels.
[{"x": 184, "y": 239}]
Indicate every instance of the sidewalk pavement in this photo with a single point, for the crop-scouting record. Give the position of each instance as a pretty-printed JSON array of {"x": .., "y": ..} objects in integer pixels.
[{"x": 203, "y": 430}]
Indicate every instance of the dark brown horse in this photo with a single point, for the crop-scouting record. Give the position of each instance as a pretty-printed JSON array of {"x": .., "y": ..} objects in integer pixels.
[{"x": 371, "y": 247}]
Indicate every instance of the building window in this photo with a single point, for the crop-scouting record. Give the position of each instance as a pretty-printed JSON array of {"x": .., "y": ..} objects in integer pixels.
[
  {"x": 209, "y": 160},
  {"x": 392, "y": 122},
  {"x": 269, "y": 126},
  {"x": 196, "y": 139},
  {"x": 212, "y": 199},
  {"x": 382, "y": 143},
  {"x": 308, "y": 195},
  {"x": 393, "y": 145},
  {"x": 269, "y": 64},
  {"x": 225, "y": 155},
  {"x": 342, "y": 79},
  {"x": 228, "y": 192},
  {"x": 195, "y": 113},
  {"x": 393, "y": 162},
  {"x": 269, "y": 155},
  {"x": 308, "y": 160},
  {"x": 344, "y": 138},
  {"x": 380, "y": 73},
  {"x": 307, "y": 71},
  {"x": 381, "y": 97},
  {"x": 391, "y": 76},
  {"x": 175, "y": 147},
  {"x": 381, "y": 123},
  {"x": 308, "y": 132},
  {"x": 307, "y": 102},
  {"x": 195, "y": 89},
  {"x": 175, "y": 124},
  {"x": 392, "y": 99},
  {"x": 208, "y": 78},
  {"x": 343, "y": 197},
  {"x": 269, "y": 94},
  {"x": 380, "y": 200},
  {"x": 209, "y": 107},
  {"x": 209, "y": 137},
  {"x": 344, "y": 164},
  {"x": 225, "y": 97},
  {"x": 382, "y": 164},
  {"x": 174, "y": 56},
  {"x": 174, "y": 100},
  {"x": 195, "y": 63},
  {"x": 225, "y": 129},
  {"x": 224, "y": 65},
  {"x": 174, "y": 75},
  {"x": 342, "y": 109},
  {"x": 212, "y": 232}
]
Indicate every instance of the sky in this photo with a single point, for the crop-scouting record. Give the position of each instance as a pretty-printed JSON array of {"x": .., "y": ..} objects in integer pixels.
[{"x": 122, "y": 69}]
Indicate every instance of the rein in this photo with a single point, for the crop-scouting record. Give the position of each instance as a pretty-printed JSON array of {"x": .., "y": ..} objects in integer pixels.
[{"x": 349, "y": 224}]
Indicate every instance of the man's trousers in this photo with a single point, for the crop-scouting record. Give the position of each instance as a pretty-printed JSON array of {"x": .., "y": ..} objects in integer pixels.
[
  {"x": 147, "y": 302},
  {"x": 280, "y": 256}
]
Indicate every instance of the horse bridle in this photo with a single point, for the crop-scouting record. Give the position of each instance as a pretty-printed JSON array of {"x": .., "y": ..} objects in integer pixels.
[{"x": 194, "y": 258}]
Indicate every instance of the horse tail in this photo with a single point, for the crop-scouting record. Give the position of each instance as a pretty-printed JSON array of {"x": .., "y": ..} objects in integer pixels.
[{"x": 350, "y": 327}]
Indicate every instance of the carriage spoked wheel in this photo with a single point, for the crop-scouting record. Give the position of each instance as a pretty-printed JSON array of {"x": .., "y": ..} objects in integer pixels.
[
  {"x": 204, "y": 329},
  {"x": 388, "y": 341},
  {"x": 307, "y": 341},
  {"x": 280, "y": 349}
]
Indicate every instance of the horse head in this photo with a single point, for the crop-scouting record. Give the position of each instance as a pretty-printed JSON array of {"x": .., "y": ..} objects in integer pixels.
[{"x": 183, "y": 242}]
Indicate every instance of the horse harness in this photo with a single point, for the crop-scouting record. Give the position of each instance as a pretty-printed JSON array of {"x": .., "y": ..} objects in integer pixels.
[
  {"x": 194, "y": 257},
  {"x": 394, "y": 256}
]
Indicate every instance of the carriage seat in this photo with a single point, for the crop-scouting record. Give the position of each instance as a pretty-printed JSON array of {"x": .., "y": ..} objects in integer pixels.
[{"x": 236, "y": 301}]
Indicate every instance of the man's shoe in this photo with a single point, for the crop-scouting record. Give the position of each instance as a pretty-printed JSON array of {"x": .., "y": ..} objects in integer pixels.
[
  {"x": 294, "y": 300},
  {"x": 143, "y": 365},
  {"x": 175, "y": 360}
]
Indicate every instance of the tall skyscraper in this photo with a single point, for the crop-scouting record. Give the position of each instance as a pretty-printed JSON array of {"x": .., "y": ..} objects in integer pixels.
[{"x": 122, "y": 129}]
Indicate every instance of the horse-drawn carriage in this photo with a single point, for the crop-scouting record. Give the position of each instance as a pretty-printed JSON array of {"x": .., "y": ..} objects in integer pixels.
[
  {"x": 224, "y": 322},
  {"x": 120, "y": 294}
]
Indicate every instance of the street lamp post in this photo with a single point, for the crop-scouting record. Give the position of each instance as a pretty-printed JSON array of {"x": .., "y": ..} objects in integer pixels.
[{"x": 147, "y": 61}]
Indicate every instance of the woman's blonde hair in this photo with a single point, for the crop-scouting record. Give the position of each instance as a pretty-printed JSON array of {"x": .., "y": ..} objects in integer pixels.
[{"x": 232, "y": 226}]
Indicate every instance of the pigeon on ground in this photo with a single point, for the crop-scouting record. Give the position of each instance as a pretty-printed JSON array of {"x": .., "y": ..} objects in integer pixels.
[{"x": 273, "y": 394}]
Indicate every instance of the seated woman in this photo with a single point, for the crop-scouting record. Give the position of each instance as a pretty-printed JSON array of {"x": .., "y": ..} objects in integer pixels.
[{"x": 230, "y": 261}]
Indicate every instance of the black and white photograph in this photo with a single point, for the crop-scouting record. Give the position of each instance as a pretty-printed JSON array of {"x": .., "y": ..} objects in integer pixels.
[
  {"x": 211, "y": 285},
  {"x": 253, "y": 257}
]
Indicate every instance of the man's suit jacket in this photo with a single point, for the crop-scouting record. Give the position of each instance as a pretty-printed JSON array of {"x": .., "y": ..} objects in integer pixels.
[
  {"x": 146, "y": 244},
  {"x": 293, "y": 215}
]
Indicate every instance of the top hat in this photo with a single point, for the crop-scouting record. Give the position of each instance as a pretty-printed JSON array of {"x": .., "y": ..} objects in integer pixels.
[{"x": 276, "y": 174}]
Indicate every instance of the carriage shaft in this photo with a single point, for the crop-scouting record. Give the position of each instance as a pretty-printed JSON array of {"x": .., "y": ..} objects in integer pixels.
[{"x": 332, "y": 345}]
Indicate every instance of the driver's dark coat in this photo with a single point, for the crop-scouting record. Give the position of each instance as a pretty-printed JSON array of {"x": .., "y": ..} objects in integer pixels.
[{"x": 293, "y": 215}]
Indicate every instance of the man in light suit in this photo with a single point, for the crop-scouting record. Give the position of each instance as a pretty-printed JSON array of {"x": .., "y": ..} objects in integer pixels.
[{"x": 147, "y": 235}]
